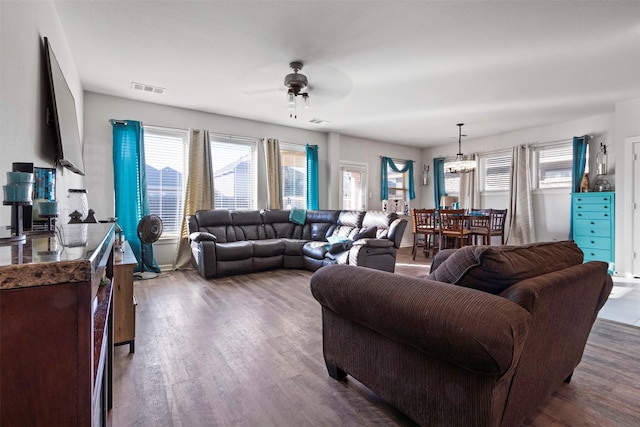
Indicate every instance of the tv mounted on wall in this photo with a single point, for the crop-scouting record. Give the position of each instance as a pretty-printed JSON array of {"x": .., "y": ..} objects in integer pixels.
[{"x": 63, "y": 115}]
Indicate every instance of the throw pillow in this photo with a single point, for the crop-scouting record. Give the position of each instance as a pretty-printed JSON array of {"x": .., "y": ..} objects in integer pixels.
[
  {"x": 366, "y": 233},
  {"x": 495, "y": 268},
  {"x": 298, "y": 216}
]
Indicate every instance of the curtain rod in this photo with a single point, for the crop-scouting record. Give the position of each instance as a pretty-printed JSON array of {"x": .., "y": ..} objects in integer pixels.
[
  {"x": 399, "y": 160},
  {"x": 119, "y": 122},
  {"x": 535, "y": 144}
]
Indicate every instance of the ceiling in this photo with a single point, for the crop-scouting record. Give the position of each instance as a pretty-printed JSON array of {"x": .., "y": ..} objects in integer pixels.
[{"x": 401, "y": 72}]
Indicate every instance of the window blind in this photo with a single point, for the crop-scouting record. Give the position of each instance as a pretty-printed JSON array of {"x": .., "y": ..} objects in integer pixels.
[
  {"x": 496, "y": 171},
  {"x": 234, "y": 173},
  {"x": 553, "y": 165},
  {"x": 294, "y": 178},
  {"x": 164, "y": 151}
]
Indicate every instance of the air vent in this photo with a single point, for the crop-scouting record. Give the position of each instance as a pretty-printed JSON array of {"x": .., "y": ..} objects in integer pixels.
[
  {"x": 147, "y": 88},
  {"x": 318, "y": 121}
]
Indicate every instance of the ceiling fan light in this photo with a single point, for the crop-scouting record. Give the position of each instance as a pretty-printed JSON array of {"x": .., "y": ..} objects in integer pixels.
[{"x": 296, "y": 83}]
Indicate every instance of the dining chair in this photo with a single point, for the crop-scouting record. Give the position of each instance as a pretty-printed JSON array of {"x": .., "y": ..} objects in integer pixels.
[
  {"x": 425, "y": 225},
  {"x": 498, "y": 217},
  {"x": 480, "y": 225},
  {"x": 452, "y": 225}
]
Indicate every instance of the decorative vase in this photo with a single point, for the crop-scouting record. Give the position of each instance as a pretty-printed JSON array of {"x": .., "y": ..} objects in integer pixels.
[{"x": 76, "y": 202}]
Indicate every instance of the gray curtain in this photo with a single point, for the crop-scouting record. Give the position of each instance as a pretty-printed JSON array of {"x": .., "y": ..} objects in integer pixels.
[
  {"x": 199, "y": 193},
  {"x": 274, "y": 179},
  {"x": 521, "y": 226}
]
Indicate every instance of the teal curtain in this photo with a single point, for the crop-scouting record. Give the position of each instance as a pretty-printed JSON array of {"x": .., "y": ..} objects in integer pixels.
[
  {"x": 580, "y": 146},
  {"x": 312, "y": 177},
  {"x": 438, "y": 181},
  {"x": 130, "y": 185},
  {"x": 384, "y": 177}
]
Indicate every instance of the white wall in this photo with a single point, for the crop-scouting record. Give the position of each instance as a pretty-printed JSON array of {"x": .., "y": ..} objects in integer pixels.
[
  {"x": 552, "y": 208},
  {"x": 24, "y": 90},
  {"x": 627, "y": 126},
  {"x": 99, "y": 109}
]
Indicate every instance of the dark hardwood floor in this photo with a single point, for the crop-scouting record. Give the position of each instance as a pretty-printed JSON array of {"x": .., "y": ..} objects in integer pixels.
[{"x": 247, "y": 350}]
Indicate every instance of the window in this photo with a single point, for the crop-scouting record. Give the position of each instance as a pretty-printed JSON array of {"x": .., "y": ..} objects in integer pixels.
[
  {"x": 552, "y": 165},
  {"x": 495, "y": 171},
  {"x": 293, "y": 164},
  {"x": 165, "y": 169},
  {"x": 451, "y": 181},
  {"x": 353, "y": 188},
  {"x": 398, "y": 189},
  {"x": 234, "y": 172}
]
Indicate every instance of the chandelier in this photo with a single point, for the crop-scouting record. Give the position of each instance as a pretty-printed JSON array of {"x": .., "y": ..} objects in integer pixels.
[
  {"x": 296, "y": 84},
  {"x": 460, "y": 164}
]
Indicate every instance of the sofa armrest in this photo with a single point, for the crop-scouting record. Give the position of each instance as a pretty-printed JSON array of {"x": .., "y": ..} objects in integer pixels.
[
  {"x": 203, "y": 257},
  {"x": 396, "y": 231},
  {"x": 477, "y": 331},
  {"x": 199, "y": 236},
  {"x": 374, "y": 243}
]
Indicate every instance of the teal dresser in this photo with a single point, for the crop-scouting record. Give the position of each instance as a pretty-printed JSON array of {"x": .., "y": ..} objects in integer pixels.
[{"x": 594, "y": 225}]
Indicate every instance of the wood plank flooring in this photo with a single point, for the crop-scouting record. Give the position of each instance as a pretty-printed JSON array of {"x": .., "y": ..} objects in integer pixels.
[{"x": 247, "y": 350}]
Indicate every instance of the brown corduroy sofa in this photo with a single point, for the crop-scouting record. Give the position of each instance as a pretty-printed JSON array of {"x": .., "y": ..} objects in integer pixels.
[{"x": 446, "y": 354}]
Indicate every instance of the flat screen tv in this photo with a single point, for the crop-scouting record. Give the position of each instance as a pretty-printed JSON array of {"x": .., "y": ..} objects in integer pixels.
[{"x": 63, "y": 115}]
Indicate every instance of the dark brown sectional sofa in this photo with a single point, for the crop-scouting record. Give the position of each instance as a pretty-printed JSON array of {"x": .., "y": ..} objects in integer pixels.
[
  {"x": 482, "y": 341},
  {"x": 227, "y": 242}
]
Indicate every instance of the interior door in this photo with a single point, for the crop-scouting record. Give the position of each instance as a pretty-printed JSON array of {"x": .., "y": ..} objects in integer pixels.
[{"x": 635, "y": 182}]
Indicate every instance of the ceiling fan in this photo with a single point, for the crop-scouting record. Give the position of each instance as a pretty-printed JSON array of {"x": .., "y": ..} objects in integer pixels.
[
  {"x": 327, "y": 84},
  {"x": 296, "y": 83}
]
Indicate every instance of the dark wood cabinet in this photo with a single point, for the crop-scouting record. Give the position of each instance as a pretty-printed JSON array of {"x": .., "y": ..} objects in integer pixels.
[
  {"x": 56, "y": 333},
  {"x": 124, "y": 301}
]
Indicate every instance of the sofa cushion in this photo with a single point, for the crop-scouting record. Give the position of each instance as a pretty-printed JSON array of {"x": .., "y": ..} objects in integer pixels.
[
  {"x": 293, "y": 247},
  {"x": 316, "y": 250},
  {"x": 351, "y": 219},
  {"x": 268, "y": 247},
  {"x": 320, "y": 230},
  {"x": 297, "y": 216},
  {"x": 495, "y": 268},
  {"x": 234, "y": 251},
  {"x": 340, "y": 247}
]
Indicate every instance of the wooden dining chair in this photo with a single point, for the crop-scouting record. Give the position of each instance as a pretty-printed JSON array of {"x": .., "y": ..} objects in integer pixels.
[
  {"x": 453, "y": 226},
  {"x": 498, "y": 218},
  {"x": 425, "y": 225},
  {"x": 480, "y": 225}
]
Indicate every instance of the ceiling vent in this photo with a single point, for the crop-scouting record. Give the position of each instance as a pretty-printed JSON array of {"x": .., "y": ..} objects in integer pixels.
[
  {"x": 318, "y": 121},
  {"x": 147, "y": 88}
]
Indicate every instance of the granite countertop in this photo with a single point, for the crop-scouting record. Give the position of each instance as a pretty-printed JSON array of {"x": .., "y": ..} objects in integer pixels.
[{"x": 72, "y": 254}]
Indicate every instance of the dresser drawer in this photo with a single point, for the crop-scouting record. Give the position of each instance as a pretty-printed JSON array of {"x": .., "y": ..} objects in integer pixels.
[
  {"x": 592, "y": 227},
  {"x": 597, "y": 255},
  {"x": 593, "y": 199},
  {"x": 597, "y": 215},
  {"x": 593, "y": 242}
]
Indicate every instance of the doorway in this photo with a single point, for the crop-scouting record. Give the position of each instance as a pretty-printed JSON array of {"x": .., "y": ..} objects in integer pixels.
[
  {"x": 353, "y": 186},
  {"x": 635, "y": 204}
]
